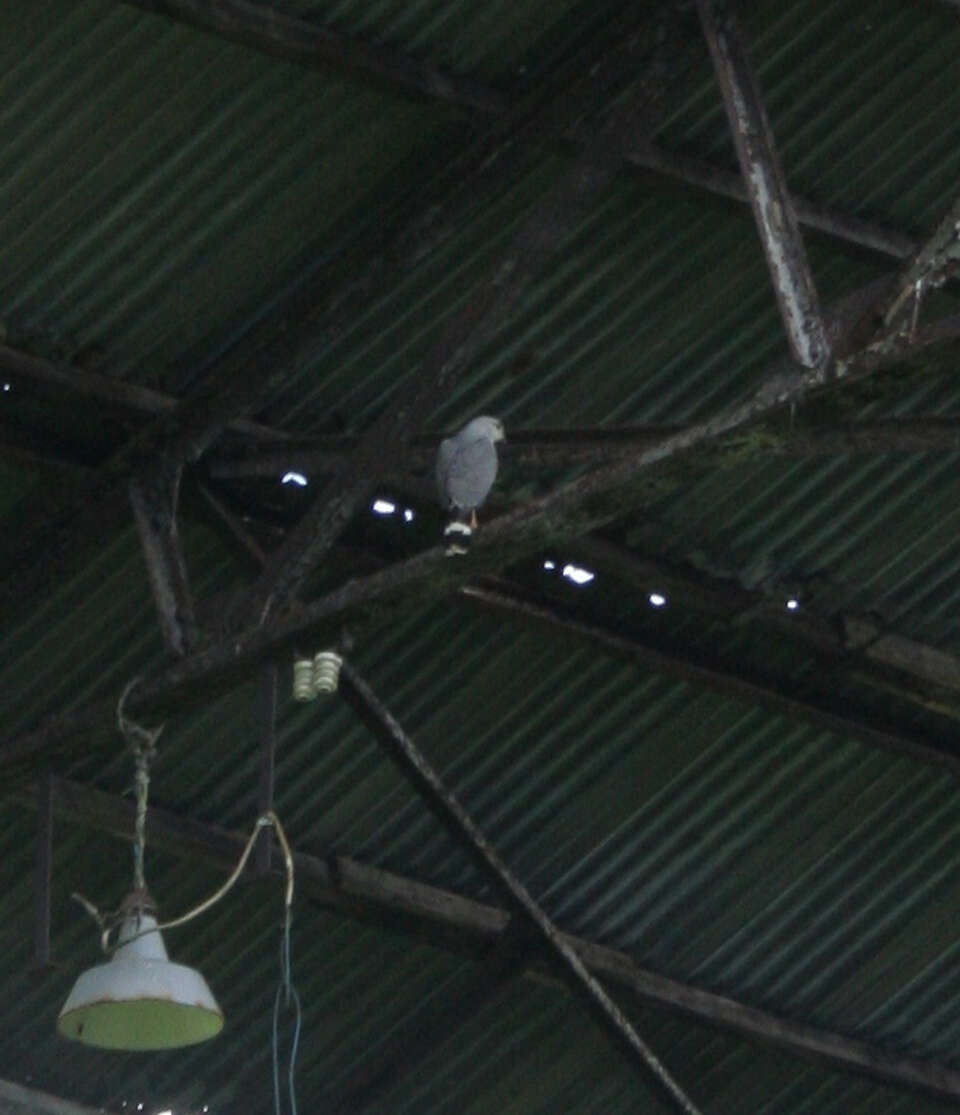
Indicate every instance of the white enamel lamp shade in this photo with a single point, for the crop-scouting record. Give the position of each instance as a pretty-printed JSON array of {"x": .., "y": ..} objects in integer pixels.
[{"x": 139, "y": 999}]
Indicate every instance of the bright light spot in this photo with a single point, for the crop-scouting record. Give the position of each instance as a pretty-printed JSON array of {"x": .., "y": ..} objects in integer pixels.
[
  {"x": 657, "y": 600},
  {"x": 8, "y": 387},
  {"x": 167, "y": 1112},
  {"x": 292, "y": 478},
  {"x": 549, "y": 566},
  {"x": 578, "y": 575},
  {"x": 383, "y": 507},
  {"x": 408, "y": 515},
  {"x": 139, "y": 1106},
  {"x": 793, "y": 604}
]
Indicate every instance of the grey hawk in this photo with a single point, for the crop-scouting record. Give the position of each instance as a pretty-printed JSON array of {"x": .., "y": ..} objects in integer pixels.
[{"x": 466, "y": 470}]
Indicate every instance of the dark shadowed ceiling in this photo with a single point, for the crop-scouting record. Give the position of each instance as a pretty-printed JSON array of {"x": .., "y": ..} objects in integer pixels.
[{"x": 689, "y": 839}]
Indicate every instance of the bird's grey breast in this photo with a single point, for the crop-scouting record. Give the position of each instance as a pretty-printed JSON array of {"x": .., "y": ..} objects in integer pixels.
[{"x": 466, "y": 470}]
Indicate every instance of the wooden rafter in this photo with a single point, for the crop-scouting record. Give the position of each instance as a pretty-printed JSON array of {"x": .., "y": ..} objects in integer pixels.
[
  {"x": 116, "y": 394},
  {"x": 560, "y": 953},
  {"x": 450, "y": 920},
  {"x": 851, "y": 643},
  {"x": 710, "y": 178},
  {"x": 855, "y": 646},
  {"x": 154, "y": 495},
  {"x": 817, "y": 709},
  {"x": 70, "y": 521},
  {"x": 929, "y": 267},
  {"x": 560, "y": 447},
  {"x": 549, "y": 448},
  {"x": 217, "y": 667},
  {"x": 308, "y": 43},
  {"x": 766, "y": 185}
]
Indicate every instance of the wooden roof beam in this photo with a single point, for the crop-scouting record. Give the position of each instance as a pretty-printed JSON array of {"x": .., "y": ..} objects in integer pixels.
[
  {"x": 555, "y": 948},
  {"x": 854, "y": 643},
  {"x": 816, "y": 709},
  {"x": 154, "y": 495},
  {"x": 73, "y": 515},
  {"x": 308, "y": 43},
  {"x": 766, "y": 185},
  {"x": 595, "y": 445},
  {"x": 69, "y": 520},
  {"x": 117, "y": 394},
  {"x": 445, "y": 918},
  {"x": 557, "y": 447},
  {"x": 717, "y": 180},
  {"x": 928, "y": 268},
  {"x": 885, "y": 660},
  {"x": 218, "y": 667}
]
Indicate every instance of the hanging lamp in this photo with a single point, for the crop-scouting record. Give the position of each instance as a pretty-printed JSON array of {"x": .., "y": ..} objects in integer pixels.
[{"x": 139, "y": 999}]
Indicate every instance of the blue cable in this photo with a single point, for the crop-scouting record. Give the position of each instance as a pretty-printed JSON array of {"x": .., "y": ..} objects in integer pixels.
[{"x": 288, "y": 992}]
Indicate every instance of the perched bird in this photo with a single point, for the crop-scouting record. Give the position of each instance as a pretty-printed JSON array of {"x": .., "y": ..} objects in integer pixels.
[{"x": 466, "y": 470}]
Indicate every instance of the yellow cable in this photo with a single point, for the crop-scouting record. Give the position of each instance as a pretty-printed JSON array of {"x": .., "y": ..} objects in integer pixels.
[{"x": 267, "y": 819}]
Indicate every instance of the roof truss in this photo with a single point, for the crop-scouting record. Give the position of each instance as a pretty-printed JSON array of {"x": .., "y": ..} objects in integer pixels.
[{"x": 884, "y": 332}]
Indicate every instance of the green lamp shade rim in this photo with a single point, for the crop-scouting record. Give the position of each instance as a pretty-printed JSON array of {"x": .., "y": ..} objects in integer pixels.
[{"x": 140, "y": 1024}]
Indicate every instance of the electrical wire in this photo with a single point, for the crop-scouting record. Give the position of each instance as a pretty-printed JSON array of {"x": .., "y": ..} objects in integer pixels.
[
  {"x": 142, "y": 742},
  {"x": 286, "y": 991},
  {"x": 110, "y": 922}
]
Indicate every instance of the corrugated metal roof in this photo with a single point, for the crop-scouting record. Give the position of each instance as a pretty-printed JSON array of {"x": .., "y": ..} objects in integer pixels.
[
  {"x": 860, "y": 530},
  {"x": 162, "y": 162},
  {"x": 162, "y": 188},
  {"x": 497, "y": 42}
]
